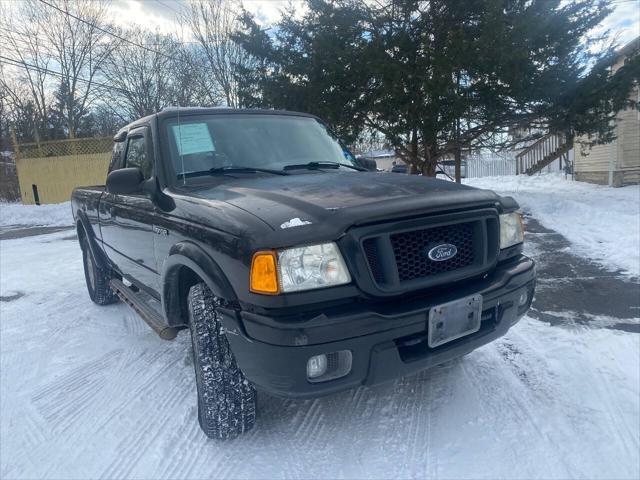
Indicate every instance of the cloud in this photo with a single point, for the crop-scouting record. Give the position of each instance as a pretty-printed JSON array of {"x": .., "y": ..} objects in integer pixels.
[
  {"x": 267, "y": 12},
  {"x": 163, "y": 14},
  {"x": 153, "y": 16},
  {"x": 623, "y": 24}
]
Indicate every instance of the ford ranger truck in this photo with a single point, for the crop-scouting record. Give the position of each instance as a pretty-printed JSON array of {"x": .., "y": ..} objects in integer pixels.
[{"x": 298, "y": 272}]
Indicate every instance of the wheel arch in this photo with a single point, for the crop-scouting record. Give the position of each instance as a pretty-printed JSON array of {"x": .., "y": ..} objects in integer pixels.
[
  {"x": 84, "y": 231},
  {"x": 187, "y": 265}
]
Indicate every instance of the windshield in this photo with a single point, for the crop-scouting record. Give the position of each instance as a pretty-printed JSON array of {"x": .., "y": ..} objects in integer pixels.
[{"x": 208, "y": 142}]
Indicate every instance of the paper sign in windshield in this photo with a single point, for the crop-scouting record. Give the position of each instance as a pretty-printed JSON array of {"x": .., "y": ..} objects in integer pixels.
[{"x": 193, "y": 138}]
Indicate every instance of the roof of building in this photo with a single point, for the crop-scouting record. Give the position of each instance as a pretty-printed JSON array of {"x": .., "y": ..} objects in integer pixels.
[
  {"x": 378, "y": 154},
  {"x": 629, "y": 48}
]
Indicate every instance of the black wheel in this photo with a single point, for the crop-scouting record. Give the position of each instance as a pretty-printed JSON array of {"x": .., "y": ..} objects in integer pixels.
[
  {"x": 97, "y": 278},
  {"x": 226, "y": 399}
]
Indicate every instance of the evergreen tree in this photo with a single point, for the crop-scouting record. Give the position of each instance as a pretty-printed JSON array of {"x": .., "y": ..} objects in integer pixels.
[
  {"x": 311, "y": 65},
  {"x": 439, "y": 76}
]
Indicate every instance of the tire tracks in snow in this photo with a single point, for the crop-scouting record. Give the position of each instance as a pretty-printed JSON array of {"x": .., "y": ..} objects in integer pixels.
[
  {"x": 146, "y": 433},
  {"x": 597, "y": 397},
  {"x": 497, "y": 401},
  {"x": 63, "y": 401}
]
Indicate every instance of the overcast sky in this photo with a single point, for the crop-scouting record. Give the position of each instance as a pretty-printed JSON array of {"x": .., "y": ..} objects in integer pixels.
[{"x": 161, "y": 14}]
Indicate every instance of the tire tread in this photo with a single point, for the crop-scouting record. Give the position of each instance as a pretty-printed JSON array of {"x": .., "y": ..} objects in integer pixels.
[
  {"x": 101, "y": 294},
  {"x": 226, "y": 399}
]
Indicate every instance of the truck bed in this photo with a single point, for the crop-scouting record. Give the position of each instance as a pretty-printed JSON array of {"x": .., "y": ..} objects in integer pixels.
[{"x": 84, "y": 205}]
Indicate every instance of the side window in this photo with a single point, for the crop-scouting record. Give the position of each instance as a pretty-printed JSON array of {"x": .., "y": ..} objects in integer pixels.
[
  {"x": 116, "y": 156},
  {"x": 137, "y": 156}
]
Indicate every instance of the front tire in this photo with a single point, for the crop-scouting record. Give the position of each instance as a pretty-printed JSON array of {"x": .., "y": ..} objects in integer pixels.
[
  {"x": 226, "y": 399},
  {"x": 97, "y": 278}
]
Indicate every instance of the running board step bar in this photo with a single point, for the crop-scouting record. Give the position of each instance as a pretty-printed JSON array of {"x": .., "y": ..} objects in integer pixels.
[{"x": 146, "y": 312}]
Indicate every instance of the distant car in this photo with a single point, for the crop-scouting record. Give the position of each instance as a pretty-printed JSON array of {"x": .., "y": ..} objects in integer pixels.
[
  {"x": 297, "y": 271},
  {"x": 368, "y": 163},
  {"x": 399, "y": 168}
]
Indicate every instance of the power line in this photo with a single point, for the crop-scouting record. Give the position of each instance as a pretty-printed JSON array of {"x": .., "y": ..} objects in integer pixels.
[
  {"x": 26, "y": 44},
  {"x": 8, "y": 36},
  {"x": 115, "y": 35},
  {"x": 28, "y": 66},
  {"x": 24, "y": 34},
  {"x": 104, "y": 30},
  {"x": 168, "y": 6}
]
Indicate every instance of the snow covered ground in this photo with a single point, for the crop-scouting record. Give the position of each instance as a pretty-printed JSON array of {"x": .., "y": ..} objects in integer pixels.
[
  {"x": 88, "y": 391},
  {"x": 603, "y": 223},
  {"x": 16, "y": 214}
]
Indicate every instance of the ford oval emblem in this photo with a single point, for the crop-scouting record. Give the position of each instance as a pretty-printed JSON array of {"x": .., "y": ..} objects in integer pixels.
[{"x": 440, "y": 253}]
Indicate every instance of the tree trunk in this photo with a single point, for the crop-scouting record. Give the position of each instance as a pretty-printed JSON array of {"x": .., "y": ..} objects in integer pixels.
[
  {"x": 569, "y": 138},
  {"x": 414, "y": 145},
  {"x": 36, "y": 133},
  {"x": 457, "y": 153},
  {"x": 458, "y": 163},
  {"x": 429, "y": 169},
  {"x": 430, "y": 163},
  {"x": 71, "y": 124},
  {"x": 413, "y": 152}
]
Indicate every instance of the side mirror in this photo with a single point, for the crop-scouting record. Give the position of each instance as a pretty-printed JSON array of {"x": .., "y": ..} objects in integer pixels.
[{"x": 125, "y": 181}]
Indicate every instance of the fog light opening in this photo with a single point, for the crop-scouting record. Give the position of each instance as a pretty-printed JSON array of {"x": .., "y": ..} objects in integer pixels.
[
  {"x": 330, "y": 366},
  {"x": 316, "y": 366},
  {"x": 524, "y": 297}
]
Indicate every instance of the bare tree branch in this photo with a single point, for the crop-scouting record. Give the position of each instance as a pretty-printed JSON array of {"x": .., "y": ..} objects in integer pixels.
[{"x": 213, "y": 24}]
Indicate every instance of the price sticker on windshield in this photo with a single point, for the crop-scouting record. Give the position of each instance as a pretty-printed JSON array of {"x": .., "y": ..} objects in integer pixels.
[{"x": 193, "y": 138}]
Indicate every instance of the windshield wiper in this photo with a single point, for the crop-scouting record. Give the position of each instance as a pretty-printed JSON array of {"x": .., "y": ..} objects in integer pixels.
[
  {"x": 318, "y": 165},
  {"x": 226, "y": 170}
]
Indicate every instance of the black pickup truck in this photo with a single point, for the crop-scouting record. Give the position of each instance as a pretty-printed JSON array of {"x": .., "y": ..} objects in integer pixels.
[{"x": 297, "y": 271}]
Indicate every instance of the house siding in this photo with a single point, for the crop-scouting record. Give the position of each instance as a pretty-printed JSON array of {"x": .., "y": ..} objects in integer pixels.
[
  {"x": 616, "y": 163},
  {"x": 629, "y": 152}
]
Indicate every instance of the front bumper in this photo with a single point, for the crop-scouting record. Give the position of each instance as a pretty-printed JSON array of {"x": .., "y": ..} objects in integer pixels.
[{"x": 387, "y": 340}]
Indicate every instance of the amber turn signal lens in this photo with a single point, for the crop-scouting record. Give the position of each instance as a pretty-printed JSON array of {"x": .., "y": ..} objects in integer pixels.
[{"x": 264, "y": 274}]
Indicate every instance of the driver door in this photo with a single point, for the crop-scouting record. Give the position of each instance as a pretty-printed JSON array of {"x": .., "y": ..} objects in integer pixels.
[{"x": 127, "y": 220}]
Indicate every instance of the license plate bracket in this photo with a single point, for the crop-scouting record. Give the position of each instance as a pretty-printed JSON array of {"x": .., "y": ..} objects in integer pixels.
[{"x": 453, "y": 320}]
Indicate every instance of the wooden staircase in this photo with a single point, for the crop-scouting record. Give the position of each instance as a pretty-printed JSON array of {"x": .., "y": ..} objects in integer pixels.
[{"x": 543, "y": 152}]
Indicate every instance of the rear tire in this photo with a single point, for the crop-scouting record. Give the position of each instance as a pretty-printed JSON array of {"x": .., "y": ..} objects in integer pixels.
[
  {"x": 97, "y": 278},
  {"x": 226, "y": 399}
]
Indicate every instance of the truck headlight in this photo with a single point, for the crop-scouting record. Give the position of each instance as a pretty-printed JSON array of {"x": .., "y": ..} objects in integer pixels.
[
  {"x": 297, "y": 269},
  {"x": 511, "y": 230}
]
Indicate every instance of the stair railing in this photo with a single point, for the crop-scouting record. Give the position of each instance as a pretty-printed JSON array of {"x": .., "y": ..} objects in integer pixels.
[{"x": 540, "y": 152}]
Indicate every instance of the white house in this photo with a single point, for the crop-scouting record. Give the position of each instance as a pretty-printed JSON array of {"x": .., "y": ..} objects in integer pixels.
[{"x": 616, "y": 163}]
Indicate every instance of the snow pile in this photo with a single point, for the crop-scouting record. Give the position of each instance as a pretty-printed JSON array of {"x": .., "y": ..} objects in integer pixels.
[
  {"x": 54, "y": 215},
  {"x": 602, "y": 223}
]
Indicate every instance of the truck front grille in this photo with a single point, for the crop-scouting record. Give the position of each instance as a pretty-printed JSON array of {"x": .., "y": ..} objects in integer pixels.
[
  {"x": 411, "y": 248},
  {"x": 397, "y": 254},
  {"x": 371, "y": 252}
]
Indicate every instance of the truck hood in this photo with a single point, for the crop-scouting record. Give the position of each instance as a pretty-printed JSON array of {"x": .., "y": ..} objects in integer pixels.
[{"x": 340, "y": 199}]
